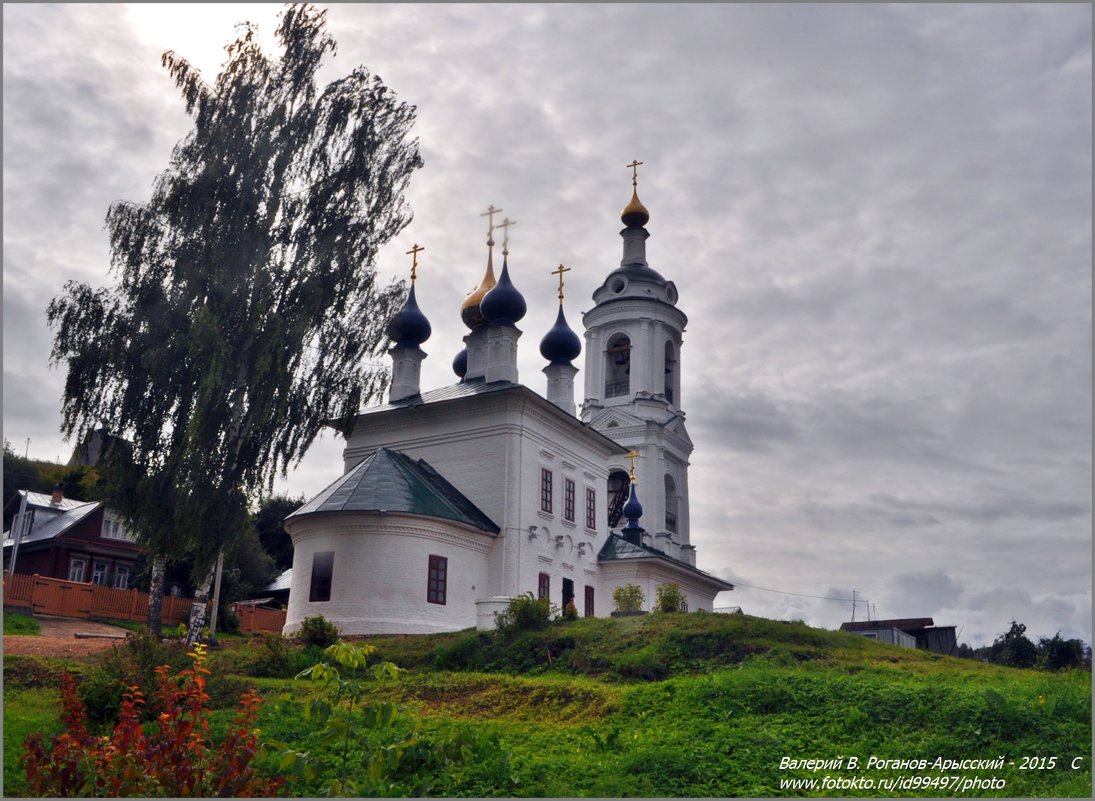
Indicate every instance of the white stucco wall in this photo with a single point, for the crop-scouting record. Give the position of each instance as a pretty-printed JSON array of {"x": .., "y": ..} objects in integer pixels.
[{"x": 380, "y": 572}]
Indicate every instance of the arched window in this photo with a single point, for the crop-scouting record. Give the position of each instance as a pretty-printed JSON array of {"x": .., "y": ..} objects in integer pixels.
[
  {"x": 670, "y": 372},
  {"x": 619, "y": 486},
  {"x": 618, "y": 366},
  {"x": 670, "y": 504}
]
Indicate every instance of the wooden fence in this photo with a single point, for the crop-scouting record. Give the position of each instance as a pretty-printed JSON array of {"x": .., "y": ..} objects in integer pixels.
[
  {"x": 254, "y": 620},
  {"x": 50, "y": 596}
]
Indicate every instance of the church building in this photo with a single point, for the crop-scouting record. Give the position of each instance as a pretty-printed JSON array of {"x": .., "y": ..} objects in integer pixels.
[{"x": 454, "y": 500}]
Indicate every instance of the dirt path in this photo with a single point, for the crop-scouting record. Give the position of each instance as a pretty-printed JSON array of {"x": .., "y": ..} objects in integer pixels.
[{"x": 57, "y": 638}]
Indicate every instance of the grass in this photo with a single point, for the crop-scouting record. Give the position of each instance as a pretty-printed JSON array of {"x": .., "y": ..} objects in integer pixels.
[
  {"x": 25, "y": 711},
  {"x": 572, "y": 711},
  {"x": 19, "y": 623}
]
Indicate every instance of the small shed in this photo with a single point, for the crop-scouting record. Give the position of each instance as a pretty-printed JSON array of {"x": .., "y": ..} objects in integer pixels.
[{"x": 921, "y": 631}]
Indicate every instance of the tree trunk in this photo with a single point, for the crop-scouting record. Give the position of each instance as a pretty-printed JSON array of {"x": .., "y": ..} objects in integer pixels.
[
  {"x": 197, "y": 610},
  {"x": 155, "y": 596}
]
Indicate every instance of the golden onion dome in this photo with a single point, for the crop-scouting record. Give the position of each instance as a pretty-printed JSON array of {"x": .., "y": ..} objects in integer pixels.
[
  {"x": 635, "y": 214},
  {"x": 469, "y": 309}
]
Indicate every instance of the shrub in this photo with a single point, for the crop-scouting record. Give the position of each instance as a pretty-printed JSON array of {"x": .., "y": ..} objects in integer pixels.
[
  {"x": 628, "y": 598},
  {"x": 526, "y": 613},
  {"x": 570, "y": 611},
  {"x": 318, "y": 631},
  {"x": 465, "y": 653},
  {"x": 174, "y": 759},
  {"x": 669, "y": 598},
  {"x": 646, "y": 663}
]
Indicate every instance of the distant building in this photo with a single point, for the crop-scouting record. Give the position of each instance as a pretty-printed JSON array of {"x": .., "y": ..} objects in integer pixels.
[
  {"x": 69, "y": 539},
  {"x": 916, "y": 632}
]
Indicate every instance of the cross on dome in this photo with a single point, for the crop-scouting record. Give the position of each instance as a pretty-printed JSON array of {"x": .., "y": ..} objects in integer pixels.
[
  {"x": 489, "y": 214},
  {"x": 559, "y": 272},
  {"x": 504, "y": 225},
  {"x": 413, "y": 253},
  {"x": 633, "y": 455},
  {"x": 634, "y": 165}
]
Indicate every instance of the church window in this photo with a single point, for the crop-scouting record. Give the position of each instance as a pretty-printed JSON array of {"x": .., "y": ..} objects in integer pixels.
[
  {"x": 437, "y": 583},
  {"x": 618, "y": 489},
  {"x": 670, "y": 503},
  {"x": 589, "y": 601},
  {"x": 323, "y": 564},
  {"x": 545, "y": 490},
  {"x": 543, "y": 589},
  {"x": 670, "y": 372},
  {"x": 568, "y": 499},
  {"x": 568, "y": 592},
  {"x": 591, "y": 507},
  {"x": 618, "y": 366}
]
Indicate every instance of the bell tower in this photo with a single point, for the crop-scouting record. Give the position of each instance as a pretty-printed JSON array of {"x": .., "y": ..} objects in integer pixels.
[{"x": 634, "y": 334}]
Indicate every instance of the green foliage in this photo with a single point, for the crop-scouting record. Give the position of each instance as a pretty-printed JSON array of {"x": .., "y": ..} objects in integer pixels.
[
  {"x": 570, "y": 611},
  {"x": 525, "y": 613},
  {"x": 20, "y": 624},
  {"x": 268, "y": 656},
  {"x": 1060, "y": 654},
  {"x": 628, "y": 598},
  {"x": 175, "y": 758},
  {"x": 269, "y": 524},
  {"x": 317, "y": 630},
  {"x": 669, "y": 598},
  {"x": 1013, "y": 648},
  {"x": 739, "y": 694},
  {"x": 646, "y": 663}
]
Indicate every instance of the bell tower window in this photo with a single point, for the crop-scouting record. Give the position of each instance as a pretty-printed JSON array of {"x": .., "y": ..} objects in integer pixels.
[
  {"x": 670, "y": 372},
  {"x": 670, "y": 504},
  {"x": 619, "y": 486},
  {"x": 618, "y": 366}
]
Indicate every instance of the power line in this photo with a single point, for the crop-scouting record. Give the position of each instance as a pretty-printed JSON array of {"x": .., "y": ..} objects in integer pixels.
[{"x": 800, "y": 594}]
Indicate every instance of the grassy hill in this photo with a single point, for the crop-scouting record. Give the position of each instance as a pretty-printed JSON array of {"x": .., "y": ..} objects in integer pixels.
[
  {"x": 697, "y": 705},
  {"x": 712, "y": 705}
]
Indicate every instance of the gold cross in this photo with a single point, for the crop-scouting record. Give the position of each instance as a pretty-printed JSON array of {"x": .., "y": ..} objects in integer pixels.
[
  {"x": 504, "y": 225},
  {"x": 633, "y": 456},
  {"x": 413, "y": 253},
  {"x": 634, "y": 165},
  {"x": 490, "y": 222},
  {"x": 559, "y": 273}
]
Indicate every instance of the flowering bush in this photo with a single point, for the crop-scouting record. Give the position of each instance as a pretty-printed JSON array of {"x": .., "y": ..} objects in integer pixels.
[{"x": 176, "y": 759}]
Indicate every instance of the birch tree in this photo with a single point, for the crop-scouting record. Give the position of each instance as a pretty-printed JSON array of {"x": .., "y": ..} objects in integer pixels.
[{"x": 246, "y": 309}]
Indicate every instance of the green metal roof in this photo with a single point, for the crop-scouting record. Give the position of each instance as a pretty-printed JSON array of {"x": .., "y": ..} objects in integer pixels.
[
  {"x": 617, "y": 548},
  {"x": 390, "y": 481}
]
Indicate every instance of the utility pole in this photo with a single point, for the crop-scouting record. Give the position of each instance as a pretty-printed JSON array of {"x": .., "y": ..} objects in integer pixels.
[
  {"x": 26, "y": 453},
  {"x": 853, "y": 606}
]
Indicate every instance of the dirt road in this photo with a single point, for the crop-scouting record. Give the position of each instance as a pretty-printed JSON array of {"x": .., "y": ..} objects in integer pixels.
[{"x": 57, "y": 638}]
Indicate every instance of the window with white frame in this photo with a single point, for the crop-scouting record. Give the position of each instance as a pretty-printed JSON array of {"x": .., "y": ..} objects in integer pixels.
[
  {"x": 98, "y": 575},
  {"x": 121, "y": 577},
  {"x": 76, "y": 568}
]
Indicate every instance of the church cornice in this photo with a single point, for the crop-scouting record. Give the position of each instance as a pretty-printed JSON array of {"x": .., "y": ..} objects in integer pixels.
[{"x": 358, "y": 524}]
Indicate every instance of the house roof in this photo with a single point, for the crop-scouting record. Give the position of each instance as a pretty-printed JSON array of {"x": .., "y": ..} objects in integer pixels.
[
  {"x": 617, "y": 548},
  {"x": 282, "y": 583},
  {"x": 901, "y": 624},
  {"x": 51, "y": 520},
  {"x": 390, "y": 481}
]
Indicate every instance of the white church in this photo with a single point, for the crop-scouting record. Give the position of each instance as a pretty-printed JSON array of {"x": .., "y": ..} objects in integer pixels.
[{"x": 455, "y": 500}]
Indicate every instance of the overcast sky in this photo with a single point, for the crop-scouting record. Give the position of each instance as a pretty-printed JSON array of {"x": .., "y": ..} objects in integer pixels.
[{"x": 878, "y": 218}]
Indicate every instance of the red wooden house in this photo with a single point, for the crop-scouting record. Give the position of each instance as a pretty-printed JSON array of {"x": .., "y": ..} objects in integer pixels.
[{"x": 70, "y": 539}]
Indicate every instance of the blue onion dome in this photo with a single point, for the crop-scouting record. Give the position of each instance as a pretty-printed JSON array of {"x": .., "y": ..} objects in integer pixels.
[
  {"x": 560, "y": 345},
  {"x": 503, "y": 305},
  {"x": 635, "y": 214},
  {"x": 633, "y": 510},
  {"x": 409, "y": 328},
  {"x": 460, "y": 364}
]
